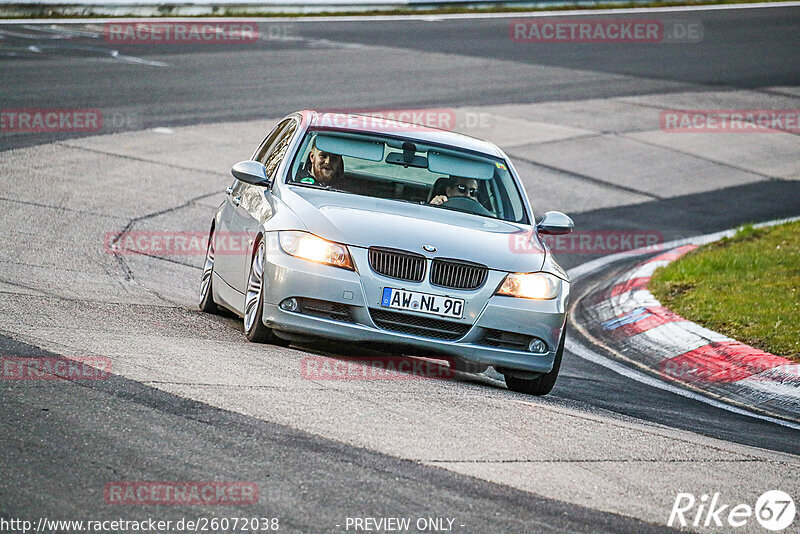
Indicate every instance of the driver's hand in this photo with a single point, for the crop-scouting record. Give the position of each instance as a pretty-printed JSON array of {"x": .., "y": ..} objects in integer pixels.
[{"x": 439, "y": 199}]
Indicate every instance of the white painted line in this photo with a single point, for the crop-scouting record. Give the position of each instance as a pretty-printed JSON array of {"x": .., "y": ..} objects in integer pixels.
[
  {"x": 114, "y": 54},
  {"x": 428, "y": 17},
  {"x": 31, "y": 35},
  {"x": 587, "y": 354},
  {"x": 591, "y": 266},
  {"x": 162, "y": 130},
  {"x": 630, "y": 300},
  {"x": 685, "y": 334},
  {"x": 789, "y": 393},
  {"x": 647, "y": 269},
  {"x": 133, "y": 59},
  {"x": 63, "y": 32}
]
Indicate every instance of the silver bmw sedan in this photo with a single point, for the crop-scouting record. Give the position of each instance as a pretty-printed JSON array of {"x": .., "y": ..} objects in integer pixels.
[{"x": 365, "y": 229}]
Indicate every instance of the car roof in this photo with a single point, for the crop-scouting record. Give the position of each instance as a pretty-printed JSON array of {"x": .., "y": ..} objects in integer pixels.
[{"x": 377, "y": 124}]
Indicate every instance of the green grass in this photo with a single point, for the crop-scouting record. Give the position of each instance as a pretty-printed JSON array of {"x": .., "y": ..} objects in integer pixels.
[
  {"x": 746, "y": 287},
  {"x": 65, "y": 10}
]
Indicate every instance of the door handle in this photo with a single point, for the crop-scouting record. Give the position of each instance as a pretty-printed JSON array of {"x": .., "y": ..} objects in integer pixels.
[
  {"x": 229, "y": 190},
  {"x": 236, "y": 201}
]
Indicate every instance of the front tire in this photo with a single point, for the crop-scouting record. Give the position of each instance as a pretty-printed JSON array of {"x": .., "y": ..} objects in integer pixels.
[
  {"x": 207, "y": 303},
  {"x": 543, "y": 384},
  {"x": 254, "y": 327}
]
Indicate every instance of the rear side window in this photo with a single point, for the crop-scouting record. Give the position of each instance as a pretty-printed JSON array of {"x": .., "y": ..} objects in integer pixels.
[
  {"x": 278, "y": 149},
  {"x": 267, "y": 144}
]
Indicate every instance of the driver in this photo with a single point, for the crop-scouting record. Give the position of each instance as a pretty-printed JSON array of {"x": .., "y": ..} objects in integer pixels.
[
  {"x": 457, "y": 186},
  {"x": 325, "y": 168}
]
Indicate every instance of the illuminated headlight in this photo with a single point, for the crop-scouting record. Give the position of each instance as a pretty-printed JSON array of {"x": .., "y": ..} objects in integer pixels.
[
  {"x": 530, "y": 286},
  {"x": 313, "y": 248}
]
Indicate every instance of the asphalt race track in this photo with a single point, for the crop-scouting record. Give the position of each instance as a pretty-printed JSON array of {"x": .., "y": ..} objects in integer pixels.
[{"x": 191, "y": 400}]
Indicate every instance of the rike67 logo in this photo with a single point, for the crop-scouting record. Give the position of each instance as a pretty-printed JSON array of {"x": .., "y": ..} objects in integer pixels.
[{"x": 774, "y": 510}]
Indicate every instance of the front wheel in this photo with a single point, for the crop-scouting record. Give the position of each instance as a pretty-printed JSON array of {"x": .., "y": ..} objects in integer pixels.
[
  {"x": 207, "y": 303},
  {"x": 254, "y": 327},
  {"x": 543, "y": 384}
]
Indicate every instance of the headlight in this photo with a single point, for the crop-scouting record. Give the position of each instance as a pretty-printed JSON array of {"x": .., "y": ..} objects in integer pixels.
[
  {"x": 530, "y": 286},
  {"x": 313, "y": 248}
]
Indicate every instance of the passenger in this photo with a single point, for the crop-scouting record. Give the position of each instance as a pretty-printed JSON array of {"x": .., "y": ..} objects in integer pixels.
[{"x": 457, "y": 186}]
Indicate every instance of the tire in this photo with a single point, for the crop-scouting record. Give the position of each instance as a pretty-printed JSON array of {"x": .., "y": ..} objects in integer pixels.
[
  {"x": 207, "y": 303},
  {"x": 254, "y": 327},
  {"x": 468, "y": 367},
  {"x": 543, "y": 384}
]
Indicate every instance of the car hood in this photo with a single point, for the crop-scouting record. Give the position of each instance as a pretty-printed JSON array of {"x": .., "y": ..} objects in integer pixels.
[{"x": 365, "y": 222}]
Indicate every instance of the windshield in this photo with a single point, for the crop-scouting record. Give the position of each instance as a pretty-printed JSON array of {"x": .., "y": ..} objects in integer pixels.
[{"x": 408, "y": 171}]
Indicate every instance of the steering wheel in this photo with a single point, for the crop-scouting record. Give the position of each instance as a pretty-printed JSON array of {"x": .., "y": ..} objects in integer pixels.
[{"x": 468, "y": 204}]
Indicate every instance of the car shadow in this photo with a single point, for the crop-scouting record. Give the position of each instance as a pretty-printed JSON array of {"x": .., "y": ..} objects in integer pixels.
[{"x": 334, "y": 360}]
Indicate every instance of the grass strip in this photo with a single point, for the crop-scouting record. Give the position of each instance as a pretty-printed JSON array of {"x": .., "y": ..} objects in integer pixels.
[{"x": 746, "y": 287}]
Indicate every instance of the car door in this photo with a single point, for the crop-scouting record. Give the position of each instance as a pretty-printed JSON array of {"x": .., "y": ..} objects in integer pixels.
[
  {"x": 230, "y": 241},
  {"x": 255, "y": 207}
]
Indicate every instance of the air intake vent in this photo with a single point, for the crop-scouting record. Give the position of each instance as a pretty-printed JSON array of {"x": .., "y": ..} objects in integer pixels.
[
  {"x": 326, "y": 310},
  {"x": 397, "y": 264},
  {"x": 457, "y": 274},
  {"x": 506, "y": 340},
  {"x": 418, "y": 326}
]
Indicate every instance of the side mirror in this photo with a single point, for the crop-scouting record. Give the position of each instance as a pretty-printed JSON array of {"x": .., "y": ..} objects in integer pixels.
[
  {"x": 252, "y": 172},
  {"x": 555, "y": 223}
]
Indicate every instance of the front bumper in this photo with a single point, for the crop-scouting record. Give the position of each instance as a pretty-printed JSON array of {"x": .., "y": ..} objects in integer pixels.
[{"x": 286, "y": 276}]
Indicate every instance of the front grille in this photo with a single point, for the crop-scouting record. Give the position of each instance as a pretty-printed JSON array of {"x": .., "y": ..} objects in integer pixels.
[
  {"x": 458, "y": 274},
  {"x": 397, "y": 264},
  {"x": 505, "y": 340},
  {"x": 418, "y": 326},
  {"x": 326, "y": 310}
]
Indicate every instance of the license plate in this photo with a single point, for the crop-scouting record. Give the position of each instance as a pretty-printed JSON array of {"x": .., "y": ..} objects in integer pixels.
[{"x": 422, "y": 302}]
